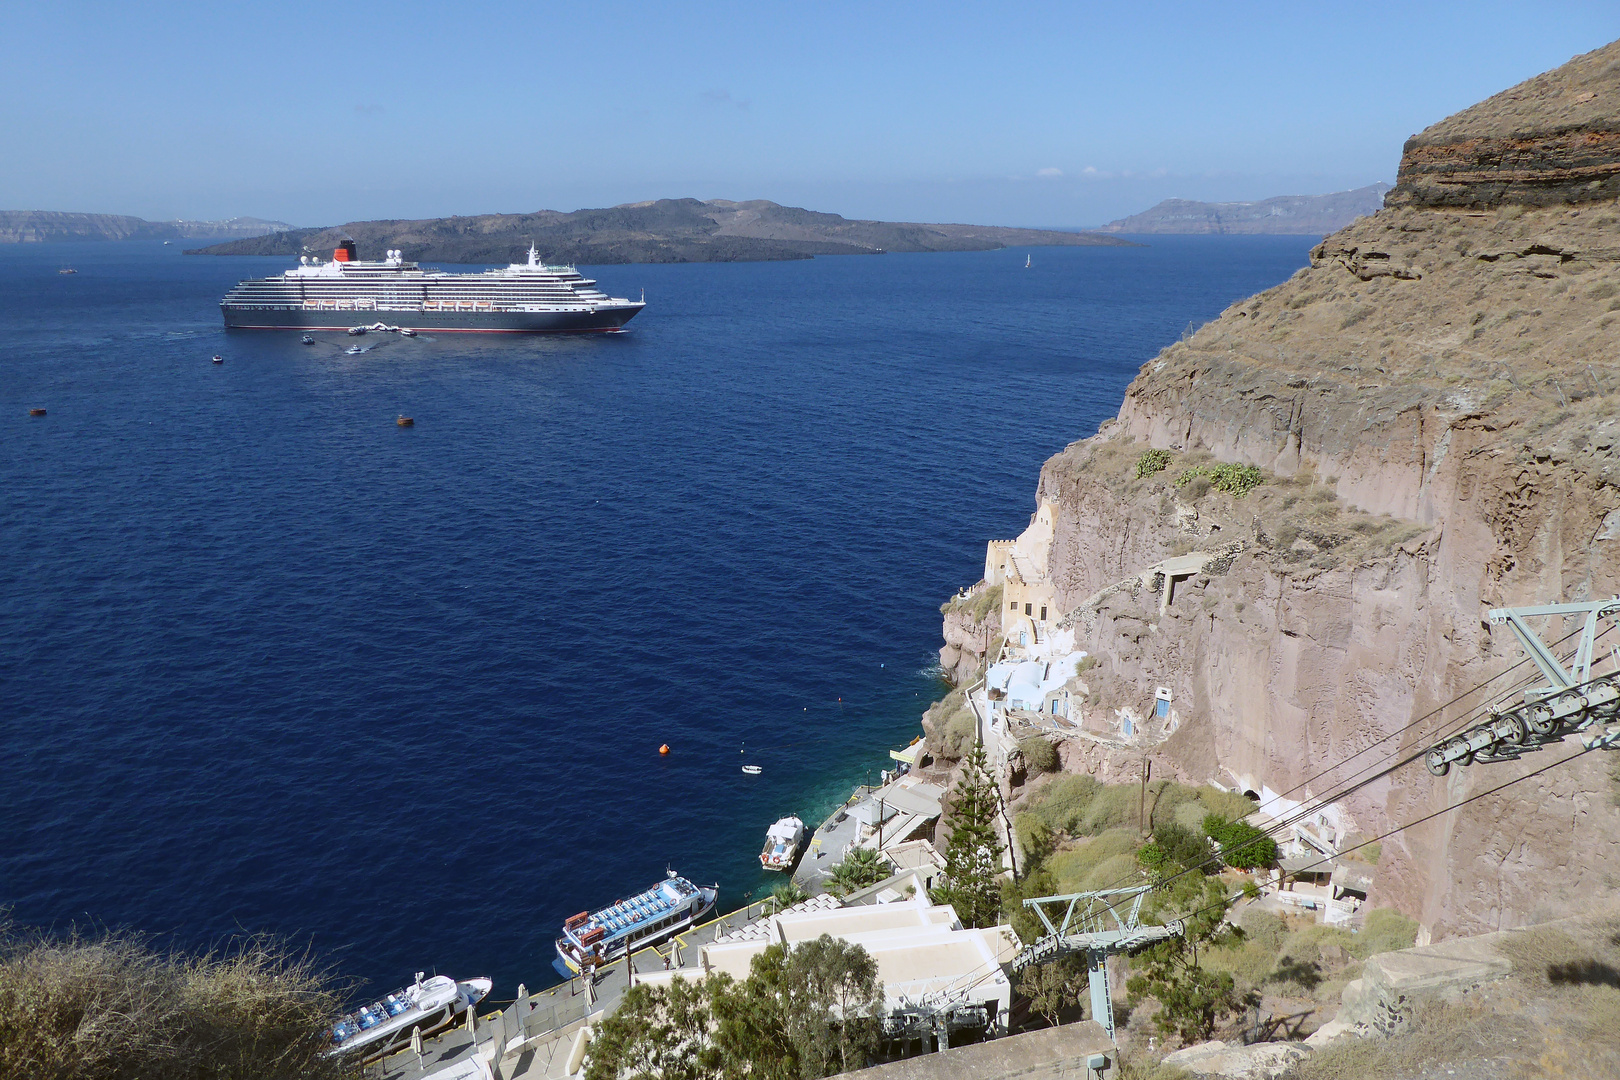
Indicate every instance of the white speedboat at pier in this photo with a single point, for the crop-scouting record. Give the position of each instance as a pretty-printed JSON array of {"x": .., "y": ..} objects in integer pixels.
[
  {"x": 782, "y": 843},
  {"x": 431, "y": 1004}
]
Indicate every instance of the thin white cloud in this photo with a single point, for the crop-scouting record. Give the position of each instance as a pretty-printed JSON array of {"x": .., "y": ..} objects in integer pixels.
[{"x": 1049, "y": 172}]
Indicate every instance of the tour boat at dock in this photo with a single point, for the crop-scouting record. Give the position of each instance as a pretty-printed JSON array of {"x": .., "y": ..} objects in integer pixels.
[
  {"x": 432, "y": 1004},
  {"x": 592, "y": 939},
  {"x": 782, "y": 843}
]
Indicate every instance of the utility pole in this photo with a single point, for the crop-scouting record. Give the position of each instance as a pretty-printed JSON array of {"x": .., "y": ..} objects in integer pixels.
[{"x": 1141, "y": 806}]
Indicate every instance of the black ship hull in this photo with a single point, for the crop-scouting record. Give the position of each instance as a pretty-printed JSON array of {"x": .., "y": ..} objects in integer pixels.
[{"x": 486, "y": 322}]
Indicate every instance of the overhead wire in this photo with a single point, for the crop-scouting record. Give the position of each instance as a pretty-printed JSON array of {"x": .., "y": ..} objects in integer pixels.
[
  {"x": 1351, "y": 785},
  {"x": 1317, "y": 803},
  {"x": 961, "y": 985},
  {"x": 1425, "y": 818}
]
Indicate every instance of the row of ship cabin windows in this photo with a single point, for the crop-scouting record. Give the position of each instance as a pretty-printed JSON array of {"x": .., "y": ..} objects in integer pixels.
[
  {"x": 1028, "y": 609},
  {"x": 666, "y": 921}
]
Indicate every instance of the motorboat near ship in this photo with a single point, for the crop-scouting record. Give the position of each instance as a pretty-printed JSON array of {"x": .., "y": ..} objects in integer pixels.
[
  {"x": 591, "y": 939},
  {"x": 349, "y": 294},
  {"x": 782, "y": 842},
  {"x": 431, "y": 1004}
]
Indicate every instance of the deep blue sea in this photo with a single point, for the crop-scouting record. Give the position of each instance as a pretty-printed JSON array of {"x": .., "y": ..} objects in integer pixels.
[{"x": 271, "y": 663}]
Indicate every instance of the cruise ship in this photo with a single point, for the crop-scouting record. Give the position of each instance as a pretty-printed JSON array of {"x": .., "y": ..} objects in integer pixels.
[
  {"x": 395, "y": 294},
  {"x": 591, "y": 939}
]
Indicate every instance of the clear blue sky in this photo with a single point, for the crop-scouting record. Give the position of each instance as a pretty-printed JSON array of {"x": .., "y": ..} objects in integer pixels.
[{"x": 1028, "y": 113}]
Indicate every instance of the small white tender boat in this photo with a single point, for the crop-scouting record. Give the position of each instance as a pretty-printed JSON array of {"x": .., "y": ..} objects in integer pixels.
[
  {"x": 430, "y": 1004},
  {"x": 782, "y": 842},
  {"x": 752, "y": 770}
]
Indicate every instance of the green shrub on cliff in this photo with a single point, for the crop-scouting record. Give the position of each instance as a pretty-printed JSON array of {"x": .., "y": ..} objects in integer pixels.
[
  {"x": 1384, "y": 930},
  {"x": 1234, "y": 479},
  {"x": 975, "y": 607},
  {"x": 1151, "y": 462},
  {"x": 961, "y": 731},
  {"x": 1243, "y": 846},
  {"x": 1039, "y": 753}
]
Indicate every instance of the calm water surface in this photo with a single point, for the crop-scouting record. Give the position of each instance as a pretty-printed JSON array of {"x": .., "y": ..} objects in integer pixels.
[{"x": 269, "y": 662}]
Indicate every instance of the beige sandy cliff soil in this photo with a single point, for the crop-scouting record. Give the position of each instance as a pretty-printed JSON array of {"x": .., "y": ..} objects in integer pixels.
[{"x": 1433, "y": 400}]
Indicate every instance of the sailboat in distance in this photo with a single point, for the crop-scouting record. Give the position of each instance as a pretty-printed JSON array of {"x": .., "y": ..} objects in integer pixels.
[{"x": 1026, "y": 262}]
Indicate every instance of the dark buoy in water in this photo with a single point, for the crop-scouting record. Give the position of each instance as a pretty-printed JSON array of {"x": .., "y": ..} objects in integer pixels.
[
  {"x": 405, "y": 421},
  {"x": 36, "y": 412}
]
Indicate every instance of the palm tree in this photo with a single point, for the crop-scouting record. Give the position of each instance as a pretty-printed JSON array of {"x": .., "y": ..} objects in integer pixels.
[
  {"x": 787, "y": 894},
  {"x": 861, "y": 867}
]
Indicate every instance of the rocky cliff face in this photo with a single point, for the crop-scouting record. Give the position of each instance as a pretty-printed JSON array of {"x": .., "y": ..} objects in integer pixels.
[
  {"x": 1549, "y": 141},
  {"x": 1432, "y": 402}
]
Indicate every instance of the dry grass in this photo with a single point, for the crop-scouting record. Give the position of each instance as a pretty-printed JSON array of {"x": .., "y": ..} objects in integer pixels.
[
  {"x": 1558, "y": 1015},
  {"x": 1469, "y": 1033},
  {"x": 111, "y": 1008},
  {"x": 1299, "y": 520},
  {"x": 1091, "y": 864},
  {"x": 1134, "y": 1068},
  {"x": 977, "y": 606},
  {"x": 952, "y": 725}
]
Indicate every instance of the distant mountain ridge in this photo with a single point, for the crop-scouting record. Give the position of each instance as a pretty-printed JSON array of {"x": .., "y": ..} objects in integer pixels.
[
  {"x": 661, "y": 231},
  {"x": 38, "y": 226},
  {"x": 1298, "y": 215}
]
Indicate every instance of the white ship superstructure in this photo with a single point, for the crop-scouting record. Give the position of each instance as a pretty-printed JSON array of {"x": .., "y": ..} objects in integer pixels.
[{"x": 526, "y": 297}]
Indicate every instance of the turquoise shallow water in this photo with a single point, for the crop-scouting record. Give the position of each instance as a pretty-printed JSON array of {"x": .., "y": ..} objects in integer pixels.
[{"x": 269, "y": 662}]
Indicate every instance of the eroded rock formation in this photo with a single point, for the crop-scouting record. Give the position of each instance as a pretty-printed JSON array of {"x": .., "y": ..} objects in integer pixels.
[{"x": 1433, "y": 401}]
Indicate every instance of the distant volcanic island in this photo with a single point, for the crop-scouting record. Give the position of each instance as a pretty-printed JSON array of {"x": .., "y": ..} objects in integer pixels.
[
  {"x": 664, "y": 231},
  {"x": 1281, "y": 215}
]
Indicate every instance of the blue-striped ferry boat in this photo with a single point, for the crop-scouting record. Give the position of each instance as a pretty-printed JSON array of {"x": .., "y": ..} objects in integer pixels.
[{"x": 593, "y": 938}]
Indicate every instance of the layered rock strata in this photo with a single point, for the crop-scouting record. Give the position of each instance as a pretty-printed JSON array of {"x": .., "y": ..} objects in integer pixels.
[{"x": 1548, "y": 141}]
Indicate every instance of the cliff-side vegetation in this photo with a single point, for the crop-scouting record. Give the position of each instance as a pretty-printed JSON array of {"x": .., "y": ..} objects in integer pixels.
[
  {"x": 110, "y": 1007},
  {"x": 1081, "y": 835},
  {"x": 976, "y": 606},
  {"x": 803, "y": 1012},
  {"x": 951, "y": 726},
  {"x": 1294, "y": 521}
]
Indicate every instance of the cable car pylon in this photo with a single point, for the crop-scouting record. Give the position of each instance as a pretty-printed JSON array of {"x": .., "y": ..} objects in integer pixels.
[
  {"x": 1093, "y": 924},
  {"x": 1573, "y": 701}
]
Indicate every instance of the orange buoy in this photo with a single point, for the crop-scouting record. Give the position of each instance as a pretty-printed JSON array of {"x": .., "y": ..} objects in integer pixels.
[
  {"x": 405, "y": 421},
  {"x": 664, "y": 749},
  {"x": 36, "y": 412}
]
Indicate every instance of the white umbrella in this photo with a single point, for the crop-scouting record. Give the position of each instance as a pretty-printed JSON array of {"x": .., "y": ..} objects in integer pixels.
[{"x": 416, "y": 1044}]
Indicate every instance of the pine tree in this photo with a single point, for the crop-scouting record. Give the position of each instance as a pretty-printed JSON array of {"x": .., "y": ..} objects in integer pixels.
[{"x": 973, "y": 850}]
